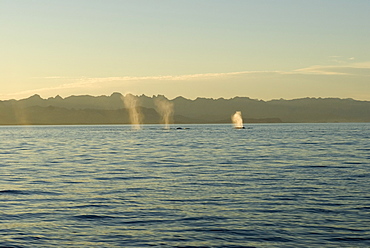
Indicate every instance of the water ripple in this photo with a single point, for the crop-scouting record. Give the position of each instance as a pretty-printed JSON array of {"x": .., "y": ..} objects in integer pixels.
[{"x": 283, "y": 185}]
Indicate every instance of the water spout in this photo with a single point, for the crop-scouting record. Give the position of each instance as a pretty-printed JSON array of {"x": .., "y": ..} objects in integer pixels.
[
  {"x": 131, "y": 103},
  {"x": 165, "y": 109},
  {"x": 237, "y": 120}
]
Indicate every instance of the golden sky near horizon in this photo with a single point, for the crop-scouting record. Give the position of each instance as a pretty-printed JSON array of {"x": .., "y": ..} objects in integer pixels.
[{"x": 194, "y": 48}]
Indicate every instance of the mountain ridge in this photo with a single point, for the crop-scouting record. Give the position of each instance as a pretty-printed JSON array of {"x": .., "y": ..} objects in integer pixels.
[{"x": 86, "y": 109}]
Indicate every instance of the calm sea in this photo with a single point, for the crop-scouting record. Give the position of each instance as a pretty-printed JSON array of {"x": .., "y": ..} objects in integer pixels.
[{"x": 269, "y": 185}]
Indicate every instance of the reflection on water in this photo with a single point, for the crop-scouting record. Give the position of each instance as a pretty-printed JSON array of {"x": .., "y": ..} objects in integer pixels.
[{"x": 281, "y": 185}]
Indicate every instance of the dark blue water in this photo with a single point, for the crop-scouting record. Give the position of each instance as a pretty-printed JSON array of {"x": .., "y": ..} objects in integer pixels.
[{"x": 277, "y": 185}]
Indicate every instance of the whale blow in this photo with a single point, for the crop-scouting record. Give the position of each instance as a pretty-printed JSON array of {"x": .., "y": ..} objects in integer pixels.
[{"x": 237, "y": 120}]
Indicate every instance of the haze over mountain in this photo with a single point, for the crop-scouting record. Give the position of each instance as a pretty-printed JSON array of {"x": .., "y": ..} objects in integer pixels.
[{"x": 111, "y": 109}]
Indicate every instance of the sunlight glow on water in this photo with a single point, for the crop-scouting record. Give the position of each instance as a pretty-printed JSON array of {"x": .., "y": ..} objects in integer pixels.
[{"x": 282, "y": 185}]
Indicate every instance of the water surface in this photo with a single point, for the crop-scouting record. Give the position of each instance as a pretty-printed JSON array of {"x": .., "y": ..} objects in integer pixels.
[{"x": 270, "y": 185}]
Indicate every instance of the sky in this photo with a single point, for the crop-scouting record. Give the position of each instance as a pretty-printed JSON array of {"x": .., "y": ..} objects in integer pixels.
[{"x": 262, "y": 49}]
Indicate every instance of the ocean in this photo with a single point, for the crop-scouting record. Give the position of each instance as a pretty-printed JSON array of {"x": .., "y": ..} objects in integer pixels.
[{"x": 268, "y": 185}]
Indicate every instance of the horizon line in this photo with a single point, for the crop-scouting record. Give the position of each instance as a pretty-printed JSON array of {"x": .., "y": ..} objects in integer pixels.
[{"x": 192, "y": 99}]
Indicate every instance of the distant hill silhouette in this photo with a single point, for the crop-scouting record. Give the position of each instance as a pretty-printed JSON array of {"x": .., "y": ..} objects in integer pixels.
[{"x": 112, "y": 110}]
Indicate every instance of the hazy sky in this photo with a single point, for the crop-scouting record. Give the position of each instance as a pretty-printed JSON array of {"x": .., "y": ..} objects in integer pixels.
[{"x": 263, "y": 49}]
